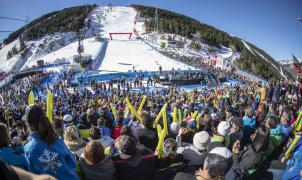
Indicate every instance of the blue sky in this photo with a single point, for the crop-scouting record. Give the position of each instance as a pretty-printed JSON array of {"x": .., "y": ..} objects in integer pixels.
[{"x": 269, "y": 24}]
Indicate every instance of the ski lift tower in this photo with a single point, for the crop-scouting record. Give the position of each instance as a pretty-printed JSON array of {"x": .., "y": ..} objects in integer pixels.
[
  {"x": 80, "y": 43},
  {"x": 156, "y": 22},
  {"x": 109, "y": 7}
]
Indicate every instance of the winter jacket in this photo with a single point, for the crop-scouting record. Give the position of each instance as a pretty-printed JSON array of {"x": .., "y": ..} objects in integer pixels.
[
  {"x": 148, "y": 137},
  {"x": 104, "y": 170},
  {"x": 138, "y": 167},
  {"x": 249, "y": 122},
  {"x": 167, "y": 168},
  {"x": 294, "y": 166},
  {"x": 13, "y": 156},
  {"x": 247, "y": 159},
  {"x": 286, "y": 129},
  {"x": 218, "y": 141},
  {"x": 184, "y": 176},
  {"x": 193, "y": 155},
  {"x": 56, "y": 159},
  {"x": 274, "y": 140}
]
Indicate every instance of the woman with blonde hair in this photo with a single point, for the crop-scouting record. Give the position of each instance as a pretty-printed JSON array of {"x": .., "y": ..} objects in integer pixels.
[{"x": 73, "y": 141}]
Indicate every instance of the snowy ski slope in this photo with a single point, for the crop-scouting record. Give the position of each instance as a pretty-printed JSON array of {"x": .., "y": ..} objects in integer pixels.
[{"x": 124, "y": 55}]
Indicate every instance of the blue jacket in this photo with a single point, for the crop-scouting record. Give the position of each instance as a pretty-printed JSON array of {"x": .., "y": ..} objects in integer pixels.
[
  {"x": 249, "y": 122},
  {"x": 277, "y": 130},
  {"x": 56, "y": 159},
  {"x": 14, "y": 156},
  {"x": 294, "y": 166},
  {"x": 286, "y": 130}
]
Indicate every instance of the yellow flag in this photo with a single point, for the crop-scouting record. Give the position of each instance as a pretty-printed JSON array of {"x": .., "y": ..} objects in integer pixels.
[
  {"x": 179, "y": 116},
  {"x": 160, "y": 144},
  {"x": 133, "y": 111},
  {"x": 159, "y": 130},
  {"x": 113, "y": 112},
  {"x": 198, "y": 120},
  {"x": 31, "y": 98},
  {"x": 49, "y": 106},
  {"x": 115, "y": 98},
  {"x": 160, "y": 114},
  {"x": 165, "y": 122},
  {"x": 174, "y": 115},
  {"x": 142, "y": 104}
]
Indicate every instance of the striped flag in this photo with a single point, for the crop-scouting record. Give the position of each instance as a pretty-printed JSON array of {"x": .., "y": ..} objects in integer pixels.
[{"x": 297, "y": 64}]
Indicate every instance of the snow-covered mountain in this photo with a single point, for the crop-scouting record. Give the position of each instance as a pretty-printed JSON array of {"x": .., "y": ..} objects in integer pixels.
[{"x": 142, "y": 51}]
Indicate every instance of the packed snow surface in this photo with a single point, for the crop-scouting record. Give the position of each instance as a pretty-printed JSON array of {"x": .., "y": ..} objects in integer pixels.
[{"x": 122, "y": 56}]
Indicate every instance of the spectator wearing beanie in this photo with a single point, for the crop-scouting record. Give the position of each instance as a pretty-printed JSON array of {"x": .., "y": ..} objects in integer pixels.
[
  {"x": 221, "y": 137},
  {"x": 67, "y": 121},
  {"x": 132, "y": 162},
  {"x": 173, "y": 130},
  {"x": 147, "y": 134},
  {"x": 94, "y": 164},
  {"x": 195, "y": 153}
]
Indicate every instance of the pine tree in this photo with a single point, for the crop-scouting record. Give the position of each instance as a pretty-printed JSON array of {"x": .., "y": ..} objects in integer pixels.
[
  {"x": 22, "y": 44},
  {"x": 9, "y": 55},
  {"x": 14, "y": 50}
]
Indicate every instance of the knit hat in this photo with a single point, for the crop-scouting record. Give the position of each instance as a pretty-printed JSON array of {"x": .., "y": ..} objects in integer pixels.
[
  {"x": 174, "y": 127},
  {"x": 67, "y": 119},
  {"x": 223, "y": 128},
  {"x": 201, "y": 140}
]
